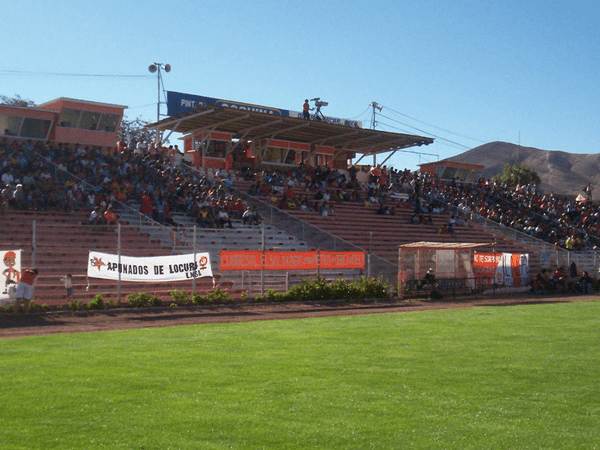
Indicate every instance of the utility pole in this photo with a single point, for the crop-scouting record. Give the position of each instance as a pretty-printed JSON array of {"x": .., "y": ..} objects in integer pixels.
[{"x": 376, "y": 108}]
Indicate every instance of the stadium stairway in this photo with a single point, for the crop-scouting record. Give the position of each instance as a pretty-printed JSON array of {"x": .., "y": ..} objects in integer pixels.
[
  {"x": 180, "y": 239},
  {"x": 271, "y": 235}
]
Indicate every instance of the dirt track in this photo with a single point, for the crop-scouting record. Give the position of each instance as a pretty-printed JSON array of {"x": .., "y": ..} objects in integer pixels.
[{"x": 76, "y": 322}]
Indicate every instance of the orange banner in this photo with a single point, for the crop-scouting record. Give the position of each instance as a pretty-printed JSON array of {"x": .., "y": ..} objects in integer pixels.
[
  {"x": 515, "y": 264},
  {"x": 257, "y": 260},
  {"x": 290, "y": 260},
  {"x": 342, "y": 260},
  {"x": 240, "y": 260},
  {"x": 484, "y": 264}
]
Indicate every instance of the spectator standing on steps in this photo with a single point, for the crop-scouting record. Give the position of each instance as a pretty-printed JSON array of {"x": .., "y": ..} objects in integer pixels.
[{"x": 68, "y": 282}]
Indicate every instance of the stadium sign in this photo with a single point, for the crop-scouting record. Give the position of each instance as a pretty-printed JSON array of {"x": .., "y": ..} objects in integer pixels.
[{"x": 180, "y": 103}]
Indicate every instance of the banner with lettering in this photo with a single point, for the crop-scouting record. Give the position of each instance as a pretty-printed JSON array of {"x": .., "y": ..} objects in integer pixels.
[
  {"x": 179, "y": 103},
  {"x": 258, "y": 260},
  {"x": 149, "y": 269},
  {"x": 342, "y": 260},
  {"x": 508, "y": 269},
  {"x": 10, "y": 270},
  {"x": 485, "y": 264}
]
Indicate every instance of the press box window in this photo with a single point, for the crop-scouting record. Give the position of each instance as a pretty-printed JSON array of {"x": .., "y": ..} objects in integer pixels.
[{"x": 69, "y": 118}]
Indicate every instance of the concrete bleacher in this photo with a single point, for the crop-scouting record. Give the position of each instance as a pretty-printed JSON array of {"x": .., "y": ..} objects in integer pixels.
[
  {"x": 63, "y": 241},
  {"x": 383, "y": 234}
]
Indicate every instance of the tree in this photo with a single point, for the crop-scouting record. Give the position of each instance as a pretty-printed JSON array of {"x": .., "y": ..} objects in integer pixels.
[
  {"x": 16, "y": 101},
  {"x": 519, "y": 173},
  {"x": 134, "y": 129}
]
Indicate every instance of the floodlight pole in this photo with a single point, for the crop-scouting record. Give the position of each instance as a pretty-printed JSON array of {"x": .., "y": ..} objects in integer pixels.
[
  {"x": 156, "y": 67},
  {"x": 158, "y": 78}
]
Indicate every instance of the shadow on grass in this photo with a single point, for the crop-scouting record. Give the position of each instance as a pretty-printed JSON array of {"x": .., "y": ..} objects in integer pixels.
[
  {"x": 162, "y": 316},
  {"x": 29, "y": 320},
  {"x": 48, "y": 319}
]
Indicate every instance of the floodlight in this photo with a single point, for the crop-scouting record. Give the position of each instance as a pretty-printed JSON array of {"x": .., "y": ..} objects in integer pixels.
[{"x": 152, "y": 68}]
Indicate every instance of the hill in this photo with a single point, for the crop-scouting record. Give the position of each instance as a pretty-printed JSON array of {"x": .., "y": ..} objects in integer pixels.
[{"x": 561, "y": 172}]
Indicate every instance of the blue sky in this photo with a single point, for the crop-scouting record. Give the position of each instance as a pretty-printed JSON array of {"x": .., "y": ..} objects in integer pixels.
[{"x": 463, "y": 72}]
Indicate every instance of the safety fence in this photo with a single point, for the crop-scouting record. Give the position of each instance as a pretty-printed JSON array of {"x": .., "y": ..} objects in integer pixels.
[{"x": 59, "y": 244}]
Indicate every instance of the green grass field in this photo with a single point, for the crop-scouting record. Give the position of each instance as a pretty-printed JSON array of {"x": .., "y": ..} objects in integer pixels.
[{"x": 507, "y": 377}]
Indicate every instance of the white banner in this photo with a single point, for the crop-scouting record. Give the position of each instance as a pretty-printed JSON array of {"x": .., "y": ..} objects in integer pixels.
[
  {"x": 10, "y": 268},
  {"x": 513, "y": 270},
  {"x": 149, "y": 269}
]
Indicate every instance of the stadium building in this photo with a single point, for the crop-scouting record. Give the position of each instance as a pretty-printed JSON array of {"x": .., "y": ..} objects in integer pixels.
[
  {"x": 65, "y": 121},
  {"x": 220, "y": 133}
]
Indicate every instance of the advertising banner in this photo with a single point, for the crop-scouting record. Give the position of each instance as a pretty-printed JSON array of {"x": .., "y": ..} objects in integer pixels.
[
  {"x": 484, "y": 264},
  {"x": 179, "y": 103},
  {"x": 149, "y": 269},
  {"x": 342, "y": 260},
  {"x": 10, "y": 270},
  {"x": 506, "y": 269},
  {"x": 513, "y": 270},
  {"x": 290, "y": 260},
  {"x": 257, "y": 260}
]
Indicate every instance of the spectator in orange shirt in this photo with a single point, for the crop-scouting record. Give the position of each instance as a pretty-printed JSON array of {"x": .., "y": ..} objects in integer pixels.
[{"x": 110, "y": 217}]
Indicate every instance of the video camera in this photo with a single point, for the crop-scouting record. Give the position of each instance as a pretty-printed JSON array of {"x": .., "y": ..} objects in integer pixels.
[{"x": 318, "y": 102}]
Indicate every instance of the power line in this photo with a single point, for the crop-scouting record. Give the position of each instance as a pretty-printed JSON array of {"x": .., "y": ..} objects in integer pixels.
[
  {"x": 436, "y": 127},
  {"x": 70, "y": 75},
  {"x": 141, "y": 106},
  {"x": 361, "y": 114},
  {"x": 465, "y": 147},
  {"x": 446, "y": 141}
]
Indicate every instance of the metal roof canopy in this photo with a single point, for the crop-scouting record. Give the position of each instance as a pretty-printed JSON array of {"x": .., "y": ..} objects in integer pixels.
[{"x": 254, "y": 126}]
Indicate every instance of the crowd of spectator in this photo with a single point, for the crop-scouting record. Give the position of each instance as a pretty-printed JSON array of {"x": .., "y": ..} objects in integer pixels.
[
  {"x": 41, "y": 176},
  {"x": 69, "y": 177},
  {"x": 563, "y": 281},
  {"x": 566, "y": 223}
]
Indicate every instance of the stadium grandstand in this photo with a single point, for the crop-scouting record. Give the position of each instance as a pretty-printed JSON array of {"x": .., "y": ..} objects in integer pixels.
[{"x": 253, "y": 180}]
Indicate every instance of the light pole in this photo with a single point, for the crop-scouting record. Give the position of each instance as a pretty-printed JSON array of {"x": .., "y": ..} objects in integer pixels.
[{"x": 156, "y": 67}]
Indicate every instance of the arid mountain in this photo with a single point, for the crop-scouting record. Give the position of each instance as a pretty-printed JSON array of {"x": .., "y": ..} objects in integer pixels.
[{"x": 561, "y": 172}]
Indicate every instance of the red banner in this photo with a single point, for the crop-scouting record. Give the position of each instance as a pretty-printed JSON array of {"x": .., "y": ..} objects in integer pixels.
[
  {"x": 484, "y": 264},
  {"x": 290, "y": 260},
  {"x": 240, "y": 260},
  {"x": 342, "y": 260},
  {"x": 257, "y": 260}
]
